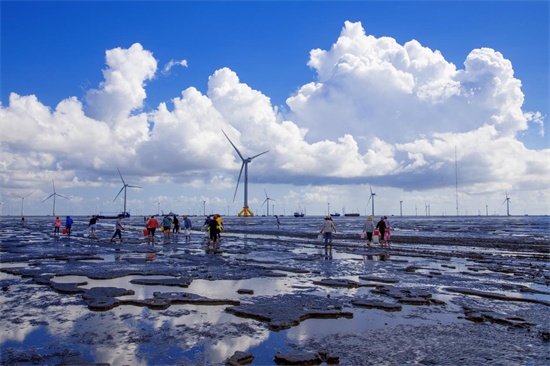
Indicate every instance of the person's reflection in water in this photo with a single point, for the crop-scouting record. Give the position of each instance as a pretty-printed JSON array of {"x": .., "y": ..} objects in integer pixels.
[
  {"x": 384, "y": 256},
  {"x": 328, "y": 252},
  {"x": 368, "y": 257}
]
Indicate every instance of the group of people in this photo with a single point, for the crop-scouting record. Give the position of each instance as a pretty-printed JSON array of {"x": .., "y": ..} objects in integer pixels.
[
  {"x": 168, "y": 226},
  {"x": 380, "y": 231},
  {"x": 384, "y": 231},
  {"x": 57, "y": 226},
  {"x": 214, "y": 228}
]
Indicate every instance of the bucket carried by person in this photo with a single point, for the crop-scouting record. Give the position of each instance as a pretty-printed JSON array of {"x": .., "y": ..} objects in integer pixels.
[
  {"x": 64, "y": 231},
  {"x": 145, "y": 232},
  {"x": 376, "y": 237}
]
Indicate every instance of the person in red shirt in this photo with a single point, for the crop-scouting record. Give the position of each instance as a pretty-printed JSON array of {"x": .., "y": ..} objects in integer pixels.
[{"x": 152, "y": 225}]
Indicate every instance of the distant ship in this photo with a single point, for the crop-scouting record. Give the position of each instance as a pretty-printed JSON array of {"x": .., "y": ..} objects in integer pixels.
[
  {"x": 124, "y": 215},
  {"x": 352, "y": 214},
  {"x": 336, "y": 214},
  {"x": 299, "y": 214}
]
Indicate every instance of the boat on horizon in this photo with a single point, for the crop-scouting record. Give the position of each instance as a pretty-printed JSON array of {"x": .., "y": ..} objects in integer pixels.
[
  {"x": 299, "y": 214},
  {"x": 124, "y": 215},
  {"x": 352, "y": 214},
  {"x": 336, "y": 214}
]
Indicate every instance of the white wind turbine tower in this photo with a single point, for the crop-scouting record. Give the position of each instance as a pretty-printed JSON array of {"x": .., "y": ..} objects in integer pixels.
[
  {"x": 507, "y": 200},
  {"x": 245, "y": 211},
  {"x": 125, "y": 185},
  {"x": 371, "y": 197},
  {"x": 267, "y": 199},
  {"x": 22, "y": 202},
  {"x": 53, "y": 195}
]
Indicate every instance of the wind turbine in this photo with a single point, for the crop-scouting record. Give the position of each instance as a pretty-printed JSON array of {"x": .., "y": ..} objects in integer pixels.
[
  {"x": 1, "y": 203},
  {"x": 53, "y": 195},
  {"x": 245, "y": 211},
  {"x": 125, "y": 213},
  {"x": 507, "y": 200},
  {"x": 371, "y": 198},
  {"x": 267, "y": 199},
  {"x": 22, "y": 202}
]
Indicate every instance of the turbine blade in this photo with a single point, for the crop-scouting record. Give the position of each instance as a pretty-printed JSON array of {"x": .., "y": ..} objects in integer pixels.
[
  {"x": 235, "y": 147},
  {"x": 265, "y": 202},
  {"x": 28, "y": 194},
  {"x": 123, "y": 182},
  {"x": 238, "y": 180},
  {"x": 16, "y": 195},
  {"x": 370, "y": 197},
  {"x": 265, "y": 193},
  {"x": 370, "y": 187},
  {"x": 60, "y": 195},
  {"x": 53, "y": 184},
  {"x": 255, "y": 156},
  {"x": 48, "y": 197},
  {"x": 119, "y": 192},
  {"x": 133, "y": 186}
]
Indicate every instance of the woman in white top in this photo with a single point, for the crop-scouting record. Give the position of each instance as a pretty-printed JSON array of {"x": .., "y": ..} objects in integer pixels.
[
  {"x": 369, "y": 229},
  {"x": 327, "y": 229}
]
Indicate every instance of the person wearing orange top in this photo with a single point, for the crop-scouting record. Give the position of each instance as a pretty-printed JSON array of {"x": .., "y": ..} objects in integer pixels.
[{"x": 152, "y": 225}]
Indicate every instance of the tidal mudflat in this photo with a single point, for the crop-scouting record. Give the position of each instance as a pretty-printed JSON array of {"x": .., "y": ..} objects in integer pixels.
[{"x": 450, "y": 291}]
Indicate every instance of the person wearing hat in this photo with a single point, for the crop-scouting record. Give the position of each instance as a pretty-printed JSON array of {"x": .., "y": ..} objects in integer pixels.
[
  {"x": 327, "y": 229},
  {"x": 368, "y": 229}
]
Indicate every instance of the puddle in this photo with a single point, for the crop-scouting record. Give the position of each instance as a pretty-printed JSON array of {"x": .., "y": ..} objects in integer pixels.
[{"x": 39, "y": 321}]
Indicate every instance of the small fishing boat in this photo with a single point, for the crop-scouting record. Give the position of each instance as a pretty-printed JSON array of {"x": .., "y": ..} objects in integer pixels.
[
  {"x": 336, "y": 214},
  {"x": 298, "y": 214}
]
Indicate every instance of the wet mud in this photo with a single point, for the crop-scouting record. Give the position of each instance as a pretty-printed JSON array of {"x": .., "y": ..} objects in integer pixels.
[{"x": 266, "y": 296}]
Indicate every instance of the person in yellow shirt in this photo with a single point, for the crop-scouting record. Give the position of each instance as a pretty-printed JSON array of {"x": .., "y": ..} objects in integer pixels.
[{"x": 218, "y": 218}]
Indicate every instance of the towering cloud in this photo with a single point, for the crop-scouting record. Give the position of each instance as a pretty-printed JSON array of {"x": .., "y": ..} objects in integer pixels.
[{"x": 379, "y": 111}]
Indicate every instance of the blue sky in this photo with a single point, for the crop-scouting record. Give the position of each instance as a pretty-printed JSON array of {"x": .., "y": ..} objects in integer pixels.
[{"x": 56, "y": 50}]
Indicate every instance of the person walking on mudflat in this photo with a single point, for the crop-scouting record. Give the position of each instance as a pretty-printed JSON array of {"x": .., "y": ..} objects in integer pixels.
[
  {"x": 368, "y": 229},
  {"x": 56, "y": 226},
  {"x": 187, "y": 228},
  {"x": 93, "y": 226},
  {"x": 176, "y": 229},
  {"x": 213, "y": 228},
  {"x": 327, "y": 229},
  {"x": 68, "y": 225},
  {"x": 166, "y": 227},
  {"x": 118, "y": 229},
  {"x": 381, "y": 226},
  {"x": 387, "y": 232},
  {"x": 152, "y": 225}
]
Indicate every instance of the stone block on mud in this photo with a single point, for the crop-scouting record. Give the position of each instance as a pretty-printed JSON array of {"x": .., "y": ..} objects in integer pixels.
[
  {"x": 175, "y": 282},
  {"x": 188, "y": 298},
  {"x": 377, "y": 279},
  {"x": 377, "y": 304},
  {"x": 336, "y": 282},
  {"x": 104, "y": 298},
  {"x": 245, "y": 291},
  {"x": 285, "y": 311},
  {"x": 240, "y": 358},
  {"x": 298, "y": 358},
  {"x": 68, "y": 288}
]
